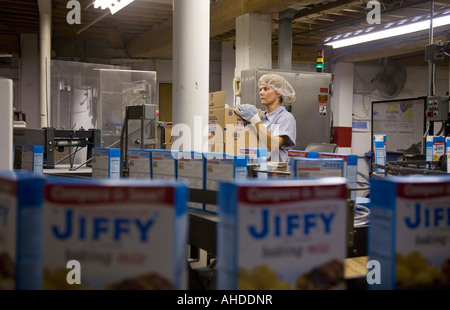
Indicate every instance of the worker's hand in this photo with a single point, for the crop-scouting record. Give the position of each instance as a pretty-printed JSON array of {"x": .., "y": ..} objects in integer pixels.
[{"x": 248, "y": 112}]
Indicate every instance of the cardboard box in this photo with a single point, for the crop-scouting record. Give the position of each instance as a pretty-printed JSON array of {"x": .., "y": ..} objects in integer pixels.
[
  {"x": 282, "y": 234},
  {"x": 317, "y": 167},
  {"x": 227, "y": 148},
  {"x": 435, "y": 148},
  {"x": 217, "y": 99},
  {"x": 226, "y": 116},
  {"x": 191, "y": 169},
  {"x": 139, "y": 164},
  {"x": 292, "y": 154},
  {"x": 233, "y": 141},
  {"x": 447, "y": 148},
  {"x": 105, "y": 163},
  {"x": 350, "y": 169},
  {"x": 228, "y": 127},
  {"x": 256, "y": 157},
  {"x": 33, "y": 158},
  {"x": 168, "y": 135},
  {"x": 379, "y": 146},
  {"x": 220, "y": 167},
  {"x": 164, "y": 164},
  {"x": 124, "y": 234},
  {"x": 21, "y": 199},
  {"x": 409, "y": 232}
]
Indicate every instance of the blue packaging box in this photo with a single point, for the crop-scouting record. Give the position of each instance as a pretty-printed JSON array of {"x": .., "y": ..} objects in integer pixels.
[
  {"x": 409, "y": 232},
  {"x": 21, "y": 199},
  {"x": 33, "y": 158},
  {"x": 164, "y": 164},
  {"x": 220, "y": 167},
  {"x": 123, "y": 234},
  {"x": 139, "y": 166},
  {"x": 105, "y": 163},
  {"x": 280, "y": 234}
]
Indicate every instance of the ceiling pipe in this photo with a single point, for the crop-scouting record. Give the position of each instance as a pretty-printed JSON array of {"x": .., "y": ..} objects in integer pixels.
[
  {"x": 45, "y": 36},
  {"x": 431, "y": 65},
  {"x": 285, "y": 39}
]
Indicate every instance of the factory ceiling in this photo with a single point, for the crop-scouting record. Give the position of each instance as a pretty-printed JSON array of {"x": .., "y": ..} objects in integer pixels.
[{"x": 143, "y": 29}]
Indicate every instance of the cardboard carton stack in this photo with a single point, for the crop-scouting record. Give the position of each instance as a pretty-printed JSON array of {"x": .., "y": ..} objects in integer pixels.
[{"x": 228, "y": 132}]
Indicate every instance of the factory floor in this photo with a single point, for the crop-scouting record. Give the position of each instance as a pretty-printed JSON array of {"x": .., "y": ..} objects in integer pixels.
[{"x": 355, "y": 267}]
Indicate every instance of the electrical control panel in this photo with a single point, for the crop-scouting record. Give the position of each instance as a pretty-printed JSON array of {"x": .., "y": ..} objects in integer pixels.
[{"x": 437, "y": 108}]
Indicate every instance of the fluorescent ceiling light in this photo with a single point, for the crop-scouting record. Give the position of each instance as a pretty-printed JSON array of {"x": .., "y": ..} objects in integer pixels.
[
  {"x": 113, "y": 5},
  {"x": 391, "y": 32}
]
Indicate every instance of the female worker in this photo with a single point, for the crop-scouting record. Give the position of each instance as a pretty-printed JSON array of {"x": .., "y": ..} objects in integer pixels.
[{"x": 277, "y": 127}]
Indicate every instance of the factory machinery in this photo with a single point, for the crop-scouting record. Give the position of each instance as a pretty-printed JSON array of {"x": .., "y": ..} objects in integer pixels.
[{"x": 407, "y": 128}]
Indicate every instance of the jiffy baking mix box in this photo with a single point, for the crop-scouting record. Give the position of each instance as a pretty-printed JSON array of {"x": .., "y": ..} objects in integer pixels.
[
  {"x": 292, "y": 154},
  {"x": 256, "y": 156},
  {"x": 317, "y": 167},
  {"x": 33, "y": 158},
  {"x": 164, "y": 164},
  {"x": 20, "y": 230},
  {"x": 435, "y": 148},
  {"x": 219, "y": 167},
  {"x": 350, "y": 171},
  {"x": 447, "y": 149},
  {"x": 191, "y": 169},
  {"x": 118, "y": 234},
  {"x": 282, "y": 234},
  {"x": 139, "y": 166},
  {"x": 105, "y": 163},
  {"x": 379, "y": 147},
  {"x": 409, "y": 231}
]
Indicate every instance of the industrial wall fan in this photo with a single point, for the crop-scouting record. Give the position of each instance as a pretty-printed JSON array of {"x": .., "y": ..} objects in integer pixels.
[{"x": 391, "y": 79}]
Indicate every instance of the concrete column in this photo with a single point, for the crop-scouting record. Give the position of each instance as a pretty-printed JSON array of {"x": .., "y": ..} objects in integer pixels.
[
  {"x": 253, "y": 42},
  {"x": 227, "y": 71},
  {"x": 285, "y": 39},
  {"x": 45, "y": 18},
  {"x": 191, "y": 72},
  {"x": 6, "y": 124},
  {"x": 342, "y": 106},
  {"x": 29, "y": 80}
]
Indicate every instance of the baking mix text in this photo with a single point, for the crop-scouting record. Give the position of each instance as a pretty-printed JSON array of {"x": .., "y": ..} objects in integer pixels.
[
  {"x": 428, "y": 217},
  {"x": 96, "y": 228},
  {"x": 281, "y": 225}
]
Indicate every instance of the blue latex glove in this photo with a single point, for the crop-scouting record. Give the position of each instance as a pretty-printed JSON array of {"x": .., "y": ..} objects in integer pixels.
[{"x": 248, "y": 112}]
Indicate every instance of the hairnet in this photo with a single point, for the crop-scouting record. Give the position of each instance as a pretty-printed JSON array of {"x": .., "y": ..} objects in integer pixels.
[{"x": 280, "y": 85}]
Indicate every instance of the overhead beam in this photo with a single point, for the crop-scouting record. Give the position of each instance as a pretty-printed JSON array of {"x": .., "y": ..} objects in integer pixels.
[
  {"x": 114, "y": 38},
  {"x": 328, "y": 8},
  {"x": 10, "y": 43},
  {"x": 158, "y": 40},
  {"x": 152, "y": 43}
]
